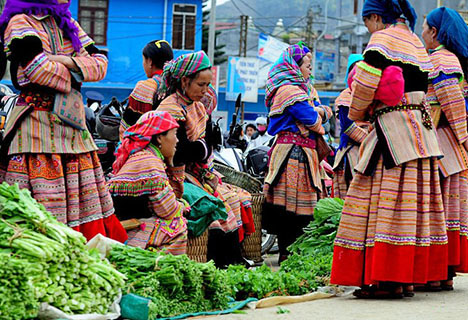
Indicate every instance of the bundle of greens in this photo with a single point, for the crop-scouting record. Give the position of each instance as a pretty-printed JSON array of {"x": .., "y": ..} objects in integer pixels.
[
  {"x": 319, "y": 235},
  {"x": 17, "y": 298},
  {"x": 51, "y": 260},
  {"x": 296, "y": 279},
  {"x": 308, "y": 266},
  {"x": 175, "y": 284}
]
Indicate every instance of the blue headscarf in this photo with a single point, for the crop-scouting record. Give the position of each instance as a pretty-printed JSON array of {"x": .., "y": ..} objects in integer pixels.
[
  {"x": 390, "y": 10},
  {"x": 353, "y": 58},
  {"x": 452, "y": 30}
]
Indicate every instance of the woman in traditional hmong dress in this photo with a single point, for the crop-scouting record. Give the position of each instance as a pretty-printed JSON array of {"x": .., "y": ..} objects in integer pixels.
[
  {"x": 392, "y": 231},
  {"x": 445, "y": 34},
  {"x": 351, "y": 136},
  {"x": 187, "y": 81},
  {"x": 144, "y": 96},
  {"x": 51, "y": 55},
  {"x": 293, "y": 183},
  {"x": 146, "y": 180}
]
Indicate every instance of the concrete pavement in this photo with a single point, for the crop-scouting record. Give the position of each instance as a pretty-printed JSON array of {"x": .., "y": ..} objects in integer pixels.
[{"x": 423, "y": 306}]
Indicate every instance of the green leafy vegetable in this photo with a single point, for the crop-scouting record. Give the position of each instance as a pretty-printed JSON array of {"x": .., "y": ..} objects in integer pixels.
[
  {"x": 281, "y": 310},
  {"x": 53, "y": 263},
  {"x": 305, "y": 269},
  {"x": 175, "y": 284}
]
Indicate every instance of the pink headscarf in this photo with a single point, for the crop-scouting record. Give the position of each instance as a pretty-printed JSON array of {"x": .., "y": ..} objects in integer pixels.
[{"x": 138, "y": 136}]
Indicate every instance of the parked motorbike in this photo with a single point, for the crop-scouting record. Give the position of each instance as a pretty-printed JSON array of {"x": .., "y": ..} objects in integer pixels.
[
  {"x": 103, "y": 123},
  {"x": 254, "y": 162}
]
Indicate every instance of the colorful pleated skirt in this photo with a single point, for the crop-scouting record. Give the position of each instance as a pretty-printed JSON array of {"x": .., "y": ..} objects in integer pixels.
[
  {"x": 340, "y": 185},
  {"x": 455, "y": 199},
  {"x": 392, "y": 227},
  {"x": 70, "y": 186},
  {"x": 292, "y": 195}
]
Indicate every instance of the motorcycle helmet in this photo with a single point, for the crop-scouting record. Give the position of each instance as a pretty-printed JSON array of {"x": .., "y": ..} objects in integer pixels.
[
  {"x": 257, "y": 161},
  {"x": 108, "y": 122}
]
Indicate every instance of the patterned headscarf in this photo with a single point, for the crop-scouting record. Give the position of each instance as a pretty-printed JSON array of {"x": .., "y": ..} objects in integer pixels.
[
  {"x": 185, "y": 65},
  {"x": 138, "y": 136},
  {"x": 60, "y": 12},
  {"x": 452, "y": 30},
  {"x": 390, "y": 10},
  {"x": 286, "y": 71}
]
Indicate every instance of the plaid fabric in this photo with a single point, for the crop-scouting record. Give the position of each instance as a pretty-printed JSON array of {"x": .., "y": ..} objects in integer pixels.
[
  {"x": 182, "y": 66},
  {"x": 139, "y": 135},
  {"x": 286, "y": 71}
]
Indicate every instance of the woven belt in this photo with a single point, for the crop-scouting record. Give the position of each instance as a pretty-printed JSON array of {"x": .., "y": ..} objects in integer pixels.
[
  {"x": 295, "y": 138},
  {"x": 426, "y": 116}
]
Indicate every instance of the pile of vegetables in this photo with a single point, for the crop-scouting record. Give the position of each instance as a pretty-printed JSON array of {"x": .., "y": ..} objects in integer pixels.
[
  {"x": 46, "y": 261},
  {"x": 175, "y": 284},
  {"x": 319, "y": 235},
  {"x": 305, "y": 269}
]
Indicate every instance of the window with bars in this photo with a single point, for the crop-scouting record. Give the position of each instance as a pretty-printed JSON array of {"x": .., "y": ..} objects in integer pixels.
[
  {"x": 184, "y": 18},
  {"x": 92, "y": 15}
]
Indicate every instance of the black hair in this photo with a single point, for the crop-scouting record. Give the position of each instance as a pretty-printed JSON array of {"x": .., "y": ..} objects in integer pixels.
[
  {"x": 250, "y": 125},
  {"x": 154, "y": 139},
  {"x": 159, "y": 51}
]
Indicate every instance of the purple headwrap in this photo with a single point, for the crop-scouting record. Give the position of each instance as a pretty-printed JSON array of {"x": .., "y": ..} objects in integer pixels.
[
  {"x": 60, "y": 12},
  {"x": 286, "y": 71}
]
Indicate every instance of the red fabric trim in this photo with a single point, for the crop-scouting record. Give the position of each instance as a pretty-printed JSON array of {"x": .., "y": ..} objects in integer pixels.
[
  {"x": 157, "y": 72},
  {"x": 386, "y": 262},
  {"x": 463, "y": 266},
  {"x": 248, "y": 225},
  {"x": 453, "y": 248},
  {"x": 109, "y": 227},
  {"x": 139, "y": 106},
  {"x": 114, "y": 229}
]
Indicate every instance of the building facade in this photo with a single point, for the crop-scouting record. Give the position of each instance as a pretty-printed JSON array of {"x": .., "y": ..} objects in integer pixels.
[{"x": 122, "y": 28}]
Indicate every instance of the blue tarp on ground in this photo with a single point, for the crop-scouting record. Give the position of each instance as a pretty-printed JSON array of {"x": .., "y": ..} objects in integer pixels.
[{"x": 135, "y": 307}]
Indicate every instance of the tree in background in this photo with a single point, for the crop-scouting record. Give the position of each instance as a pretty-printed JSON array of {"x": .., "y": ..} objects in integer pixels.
[{"x": 219, "y": 56}]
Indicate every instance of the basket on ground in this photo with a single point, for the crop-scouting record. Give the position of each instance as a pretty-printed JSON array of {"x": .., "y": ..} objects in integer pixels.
[
  {"x": 252, "y": 245},
  {"x": 197, "y": 247}
]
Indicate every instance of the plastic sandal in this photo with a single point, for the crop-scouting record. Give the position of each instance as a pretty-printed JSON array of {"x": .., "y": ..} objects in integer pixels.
[
  {"x": 428, "y": 287},
  {"x": 374, "y": 292}
]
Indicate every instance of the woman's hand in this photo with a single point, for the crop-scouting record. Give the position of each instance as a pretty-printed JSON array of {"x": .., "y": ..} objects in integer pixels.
[
  {"x": 320, "y": 111},
  {"x": 65, "y": 60}
]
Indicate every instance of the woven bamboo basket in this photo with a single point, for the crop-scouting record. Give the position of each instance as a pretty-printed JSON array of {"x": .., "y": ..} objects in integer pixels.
[
  {"x": 197, "y": 247},
  {"x": 239, "y": 179},
  {"x": 252, "y": 245}
]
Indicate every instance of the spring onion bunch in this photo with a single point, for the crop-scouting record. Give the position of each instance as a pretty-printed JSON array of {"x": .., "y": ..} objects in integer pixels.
[{"x": 52, "y": 261}]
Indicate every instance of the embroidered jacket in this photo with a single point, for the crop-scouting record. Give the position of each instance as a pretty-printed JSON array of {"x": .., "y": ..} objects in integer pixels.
[
  {"x": 400, "y": 135},
  {"x": 139, "y": 102},
  {"x": 41, "y": 132},
  {"x": 447, "y": 100},
  {"x": 145, "y": 174},
  {"x": 352, "y": 133}
]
